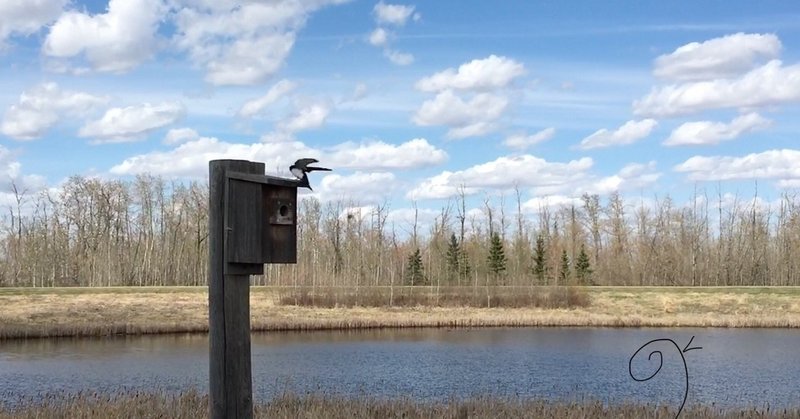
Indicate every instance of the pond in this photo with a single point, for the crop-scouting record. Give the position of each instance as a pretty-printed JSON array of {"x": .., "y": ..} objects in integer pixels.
[{"x": 734, "y": 368}]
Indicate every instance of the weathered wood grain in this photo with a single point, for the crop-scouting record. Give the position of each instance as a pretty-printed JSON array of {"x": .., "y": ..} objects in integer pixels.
[{"x": 230, "y": 380}]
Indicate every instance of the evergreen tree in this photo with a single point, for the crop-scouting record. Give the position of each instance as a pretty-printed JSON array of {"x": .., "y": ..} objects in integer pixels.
[
  {"x": 416, "y": 271},
  {"x": 563, "y": 274},
  {"x": 540, "y": 261},
  {"x": 464, "y": 267},
  {"x": 497, "y": 256},
  {"x": 453, "y": 256},
  {"x": 583, "y": 270}
]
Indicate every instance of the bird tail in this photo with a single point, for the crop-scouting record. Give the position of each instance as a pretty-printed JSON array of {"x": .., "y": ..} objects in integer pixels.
[{"x": 312, "y": 168}]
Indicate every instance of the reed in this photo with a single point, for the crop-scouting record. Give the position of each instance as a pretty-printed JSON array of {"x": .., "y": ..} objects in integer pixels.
[
  {"x": 192, "y": 404},
  {"x": 540, "y": 297}
]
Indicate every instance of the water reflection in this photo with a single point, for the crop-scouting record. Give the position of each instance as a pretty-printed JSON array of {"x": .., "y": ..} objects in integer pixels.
[
  {"x": 735, "y": 368},
  {"x": 98, "y": 348}
]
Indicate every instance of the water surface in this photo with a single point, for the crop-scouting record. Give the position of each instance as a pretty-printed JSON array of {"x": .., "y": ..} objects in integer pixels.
[{"x": 735, "y": 368}]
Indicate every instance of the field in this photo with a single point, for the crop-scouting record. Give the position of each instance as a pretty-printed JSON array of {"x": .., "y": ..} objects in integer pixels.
[{"x": 42, "y": 312}]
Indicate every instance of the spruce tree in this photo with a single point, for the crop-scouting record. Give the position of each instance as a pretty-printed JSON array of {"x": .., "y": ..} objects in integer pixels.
[
  {"x": 540, "y": 261},
  {"x": 416, "y": 271},
  {"x": 453, "y": 256},
  {"x": 497, "y": 256},
  {"x": 464, "y": 267},
  {"x": 583, "y": 270},
  {"x": 563, "y": 274}
]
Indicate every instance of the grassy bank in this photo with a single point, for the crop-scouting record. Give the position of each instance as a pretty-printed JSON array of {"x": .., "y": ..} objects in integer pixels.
[
  {"x": 102, "y": 311},
  {"x": 194, "y": 405}
]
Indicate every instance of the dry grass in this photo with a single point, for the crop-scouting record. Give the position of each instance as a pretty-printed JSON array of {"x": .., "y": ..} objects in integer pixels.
[
  {"x": 104, "y": 311},
  {"x": 192, "y": 405},
  {"x": 541, "y": 297},
  {"x": 115, "y": 311}
]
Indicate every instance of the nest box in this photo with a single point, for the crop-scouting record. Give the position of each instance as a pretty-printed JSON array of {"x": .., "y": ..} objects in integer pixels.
[{"x": 260, "y": 222}]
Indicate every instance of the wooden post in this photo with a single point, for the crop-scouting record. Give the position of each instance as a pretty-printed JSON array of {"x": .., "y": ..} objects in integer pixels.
[{"x": 230, "y": 377}]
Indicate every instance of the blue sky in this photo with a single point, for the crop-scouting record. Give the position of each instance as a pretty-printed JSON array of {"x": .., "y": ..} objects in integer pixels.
[{"x": 409, "y": 101}]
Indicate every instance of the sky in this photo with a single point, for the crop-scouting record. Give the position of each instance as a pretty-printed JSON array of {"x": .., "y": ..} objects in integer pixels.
[{"x": 410, "y": 103}]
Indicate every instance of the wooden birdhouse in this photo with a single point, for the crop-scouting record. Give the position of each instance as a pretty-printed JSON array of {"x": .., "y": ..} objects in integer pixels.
[{"x": 260, "y": 222}]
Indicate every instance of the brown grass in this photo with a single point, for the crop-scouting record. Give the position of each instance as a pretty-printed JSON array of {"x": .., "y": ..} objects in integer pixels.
[
  {"x": 539, "y": 297},
  {"x": 117, "y": 311},
  {"x": 105, "y": 311},
  {"x": 192, "y": 405}
]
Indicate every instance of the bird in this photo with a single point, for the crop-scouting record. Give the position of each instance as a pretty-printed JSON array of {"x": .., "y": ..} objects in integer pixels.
[{"x": 300, "y": 170}]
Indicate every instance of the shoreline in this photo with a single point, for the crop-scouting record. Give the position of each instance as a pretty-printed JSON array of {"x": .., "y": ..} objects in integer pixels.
[
  {"x": 194, "y": 404},
  {"x": 129, "y": 329},
  {"x": 132, "y": 311}
]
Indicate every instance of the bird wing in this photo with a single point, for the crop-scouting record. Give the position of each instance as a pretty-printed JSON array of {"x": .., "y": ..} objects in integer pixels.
[{"x": 302, "y": 163}]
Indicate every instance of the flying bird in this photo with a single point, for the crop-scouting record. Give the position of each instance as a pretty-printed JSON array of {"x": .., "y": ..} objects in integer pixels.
[{"x": 300, "y": 170}]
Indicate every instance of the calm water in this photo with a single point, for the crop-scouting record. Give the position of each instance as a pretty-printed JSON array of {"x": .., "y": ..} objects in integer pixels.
[{"x": 736, "y": 367}]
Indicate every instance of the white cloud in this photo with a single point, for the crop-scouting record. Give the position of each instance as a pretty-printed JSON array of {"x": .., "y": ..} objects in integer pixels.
[
  {"x": 523, "y": 141},
  {"x": 770, "y": 164},
  {"x": 129, "y": 123},
  {"x": 379, "y": 37},
  {"x": 23, "y": 123},
  {"x": 632, "y": 176},
  {"x": 277, "y": 136},
  {"x": 392, "y": 14},
  {"x": 722, "y": 57},
  {"x": 477, "y": 112},
  {"x": 489, "y": 73},
  {"x": 368, "y": 187},
  {"x": 241, "y": 44},
  {"x": 439, "y": 187},
  {"x": 475, "y": 117},
  {"x": 309, "y": 117},
  {"x": 378, "y": 155},
  {"x": 180, "y": 135},
  {"x": 115, "y": 41},
  {"x": 536, "y": 204},
  {"x": 42, "y": 107},
  {"x": 11, "y": 172},
  {"x": 628, "y": 133},
  {"x": 26, "y": 17},
  {"x": 734, "y": 202},
  {"x": 237, "y": 65},
  {"x": 404, "y": 220},
  {"x": 770, "y": 84},
  {"x": 398, "y": 58},
  {"x": 401, "y": 221},
  {"x": 191, "y": 158},
  {"x": 474, "y": 129},
  {"x": 502, "y": 173},
  {"x": 788, "y": 183},
  {"x": 275, "y": 93},
  {"x": 709, "y": 133}
]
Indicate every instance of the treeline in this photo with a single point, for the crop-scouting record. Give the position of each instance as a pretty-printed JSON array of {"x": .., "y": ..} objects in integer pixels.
[{"x": 150, "y": 231}]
